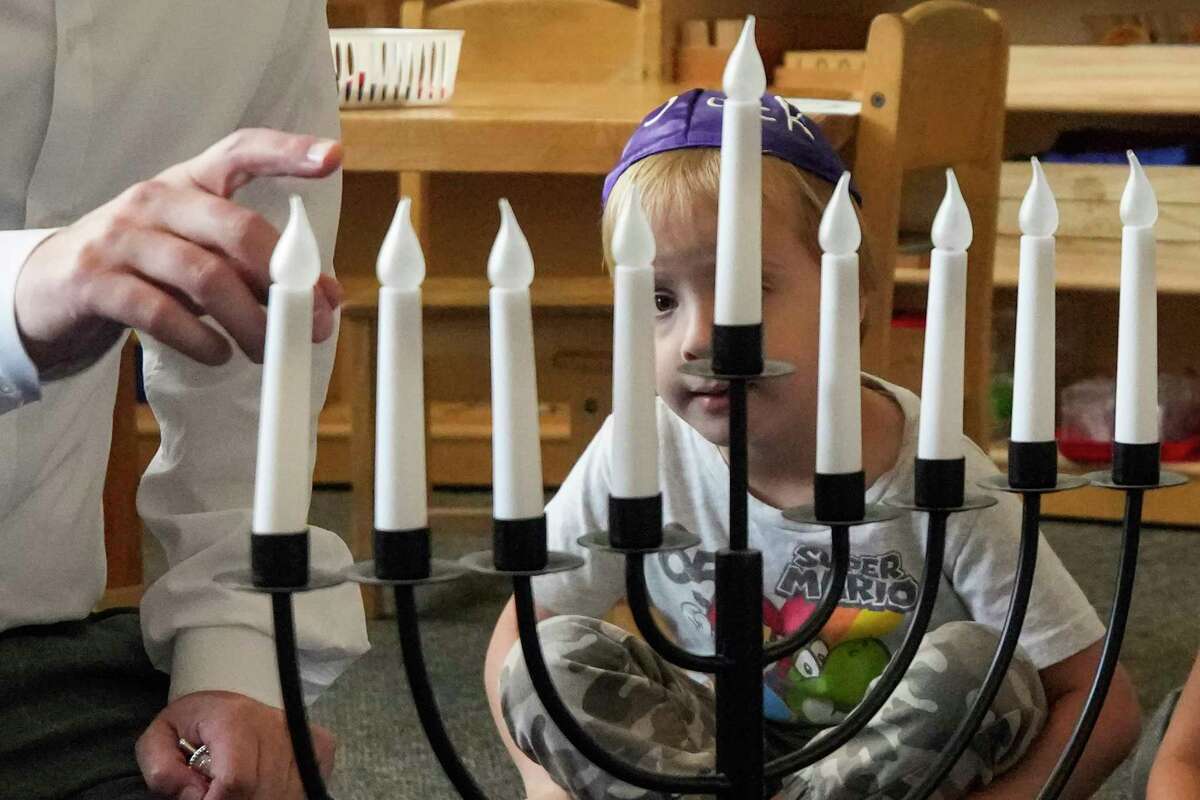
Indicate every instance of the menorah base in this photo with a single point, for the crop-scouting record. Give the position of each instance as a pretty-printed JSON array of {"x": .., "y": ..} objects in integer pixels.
[
  {"x": 970, "y": 502},
  {"x": 1062, "y": 483},
  {"x": 872, "y": 513},
  {"x": 703, "y": 368},
  {"x": 244, "y": 581},
  {"x": 674, "y": 537},
  {"x": 440, "y": 571},
  {"x": 1106, "y": 480},
  {"x": 484, "y": 563}
]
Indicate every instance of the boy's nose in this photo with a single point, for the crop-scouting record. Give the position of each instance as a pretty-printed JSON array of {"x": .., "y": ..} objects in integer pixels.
[{"x": 697, "y": 341}]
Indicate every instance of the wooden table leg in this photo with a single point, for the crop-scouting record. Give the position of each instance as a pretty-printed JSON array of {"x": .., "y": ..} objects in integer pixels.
[{"x": 360, "y": 346}]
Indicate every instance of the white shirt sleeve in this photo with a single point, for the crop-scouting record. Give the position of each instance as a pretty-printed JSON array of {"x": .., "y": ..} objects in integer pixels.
[
  {"x": 579, "y": 507},
  {"x": 982, "y": 554},
  {"x": 197, "y": 494},
  {"x": 19, "y": 381}
]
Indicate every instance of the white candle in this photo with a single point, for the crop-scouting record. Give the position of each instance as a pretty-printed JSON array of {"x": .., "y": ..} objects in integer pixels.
[
  {"x": 941, "y": 430},
  {"x": 1137, "y": 330},
  {"x": 283, "y": 474},
  {"x": 839, "y": 399},
  {"x": 516, "y": 447},
  {"x": 635, "y": 429},
  {"x": 739, "y": 206},
  {"x": 1033, "y": 365},
  {"x": 400, "y": 502}
]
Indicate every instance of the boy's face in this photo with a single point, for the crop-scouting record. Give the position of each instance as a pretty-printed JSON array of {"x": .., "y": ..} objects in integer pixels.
[{"x": 684, "y": 277}]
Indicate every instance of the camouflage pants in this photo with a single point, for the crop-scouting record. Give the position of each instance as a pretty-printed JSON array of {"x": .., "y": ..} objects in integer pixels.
[{"x": 655, "y": 715}]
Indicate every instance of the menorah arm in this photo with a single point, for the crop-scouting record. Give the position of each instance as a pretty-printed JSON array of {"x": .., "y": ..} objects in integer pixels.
[
  {"x": 831, "y": 740},
  {"x": 293, "y": 697},
  {"x": 426, "y": 702},
  {"x": 1017, "y": 605},
  {"x": 782, "y": 648},
  {"x": 543, "y": 684},
  {"x": 1130, "y": 539},
  {"x": 639, "y": 605}
]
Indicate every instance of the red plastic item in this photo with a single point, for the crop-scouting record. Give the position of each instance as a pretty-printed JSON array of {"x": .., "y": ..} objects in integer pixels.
[{"x": 1088, "y": 451}]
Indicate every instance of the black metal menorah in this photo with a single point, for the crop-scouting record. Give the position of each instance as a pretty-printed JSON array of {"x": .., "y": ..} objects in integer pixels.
[{"x": 403, "y": 561}]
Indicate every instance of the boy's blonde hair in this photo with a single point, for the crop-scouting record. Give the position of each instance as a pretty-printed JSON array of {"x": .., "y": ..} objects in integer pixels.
[{"x": 676, "y": 181}]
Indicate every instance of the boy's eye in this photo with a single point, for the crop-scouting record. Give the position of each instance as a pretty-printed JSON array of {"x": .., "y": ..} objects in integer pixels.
[{"x": 663, "y": 302}]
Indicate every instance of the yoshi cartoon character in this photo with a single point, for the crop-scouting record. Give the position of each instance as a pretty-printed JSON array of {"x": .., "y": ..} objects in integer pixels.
[{"x": 825, "y": 680}]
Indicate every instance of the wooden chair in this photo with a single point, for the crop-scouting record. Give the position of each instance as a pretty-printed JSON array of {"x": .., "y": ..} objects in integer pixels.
[
  {"x": 932, "y": 82},
  {"x": 933, "y": 97},
  {"x": 122, "y": 526}
]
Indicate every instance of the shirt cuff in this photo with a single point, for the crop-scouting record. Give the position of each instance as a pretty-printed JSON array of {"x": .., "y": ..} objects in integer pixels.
[
  {"x": 231, "y": 659},
  {"x": 19, "y": 381}
]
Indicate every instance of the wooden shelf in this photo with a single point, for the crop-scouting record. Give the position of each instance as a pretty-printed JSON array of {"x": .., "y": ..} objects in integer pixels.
[
  {"x": 1088, "y": 252},
  {"x": 1095, "y": 265},
  {"x": 1138, "y": 79},
  {"x": 1176, "y": 506}
]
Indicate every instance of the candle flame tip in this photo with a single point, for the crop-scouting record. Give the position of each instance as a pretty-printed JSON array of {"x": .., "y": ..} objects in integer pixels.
[
  {"x": 1139, "y": 205},
  {"x": 296, "y": 260},
  {"x": 952, "y": 229},
  {"x": 401, "y": 262},
  {"x": 839, "y": 232},
  {"x": 745, "y": 77},
  {"x": 510, "y": 263},
  {"x": 1038, "y": 215}
]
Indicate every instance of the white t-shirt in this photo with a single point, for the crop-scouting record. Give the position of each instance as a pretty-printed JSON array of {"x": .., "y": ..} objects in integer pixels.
[{"x": 824, "y": 681}]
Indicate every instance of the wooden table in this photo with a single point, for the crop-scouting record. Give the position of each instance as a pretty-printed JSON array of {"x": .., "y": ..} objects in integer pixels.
[
  {"x": 499, "y": 127},
  {"x": 512, "y": 127}
]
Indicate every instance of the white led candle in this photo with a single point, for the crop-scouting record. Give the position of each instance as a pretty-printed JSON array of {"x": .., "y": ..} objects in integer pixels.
[
  {"x": 739, "y": 206},
  {"x": 839, "y": 399},
  {"x": 400, "y": 501},
  {"x": 516, "y": 447},
  {"x": 1137, "y": 331},
  {"x": 1033, "y": 367},
  {"x": 635, "y": 429},
  {"x": 283, "y": 473},
  {"x": 940, "y": 435}
]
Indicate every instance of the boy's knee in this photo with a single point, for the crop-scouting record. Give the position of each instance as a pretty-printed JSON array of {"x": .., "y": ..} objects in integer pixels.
[
  {"x": 966, "y": 650},
  {"x": 570, "y": 646},
  {"x": 962, "y": 646},
  {"x": 948, "y": 673}
]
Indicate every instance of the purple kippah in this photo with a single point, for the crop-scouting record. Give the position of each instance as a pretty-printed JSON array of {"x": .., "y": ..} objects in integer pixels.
[{"x": 693, "y": 119}]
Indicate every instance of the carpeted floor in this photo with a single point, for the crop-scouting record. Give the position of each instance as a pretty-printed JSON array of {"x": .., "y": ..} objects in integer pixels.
[{"x": 383, "y": 752}]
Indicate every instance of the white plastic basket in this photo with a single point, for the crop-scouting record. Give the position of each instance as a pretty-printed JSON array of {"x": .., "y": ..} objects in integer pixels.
[{"x": 379, "y": 67}]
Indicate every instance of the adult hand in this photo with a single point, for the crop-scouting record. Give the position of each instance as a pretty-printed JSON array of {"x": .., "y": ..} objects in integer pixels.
[
  {"x": 167, "y": 251},
  {"x": 249, "y": 743}
]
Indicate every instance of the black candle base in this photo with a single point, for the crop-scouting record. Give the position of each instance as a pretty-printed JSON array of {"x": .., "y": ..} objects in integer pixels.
[
  {"x": 402, "y": 555},
  {"x": 519, "y": 545},
  {"x": 1032, "y": 465},
  {"x": 279, "y": 560},
  {"x": 1136, "y": 464},
  {"x": 939, "y": 482},
  {"x": 737, "y": 349},
  {"x": 839, "y": 497},
  {"x": 635, "y": 522}
]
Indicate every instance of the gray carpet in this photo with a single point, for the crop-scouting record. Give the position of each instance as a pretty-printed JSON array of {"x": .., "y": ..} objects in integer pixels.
[{"x": 383, "y": 752}]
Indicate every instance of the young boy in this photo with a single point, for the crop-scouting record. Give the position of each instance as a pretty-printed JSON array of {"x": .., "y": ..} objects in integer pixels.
[{"x": 662, "y": 717}]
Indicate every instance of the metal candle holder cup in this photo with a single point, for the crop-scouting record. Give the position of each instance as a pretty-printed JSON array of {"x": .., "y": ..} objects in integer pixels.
[{"x": 403, "y": 562}]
